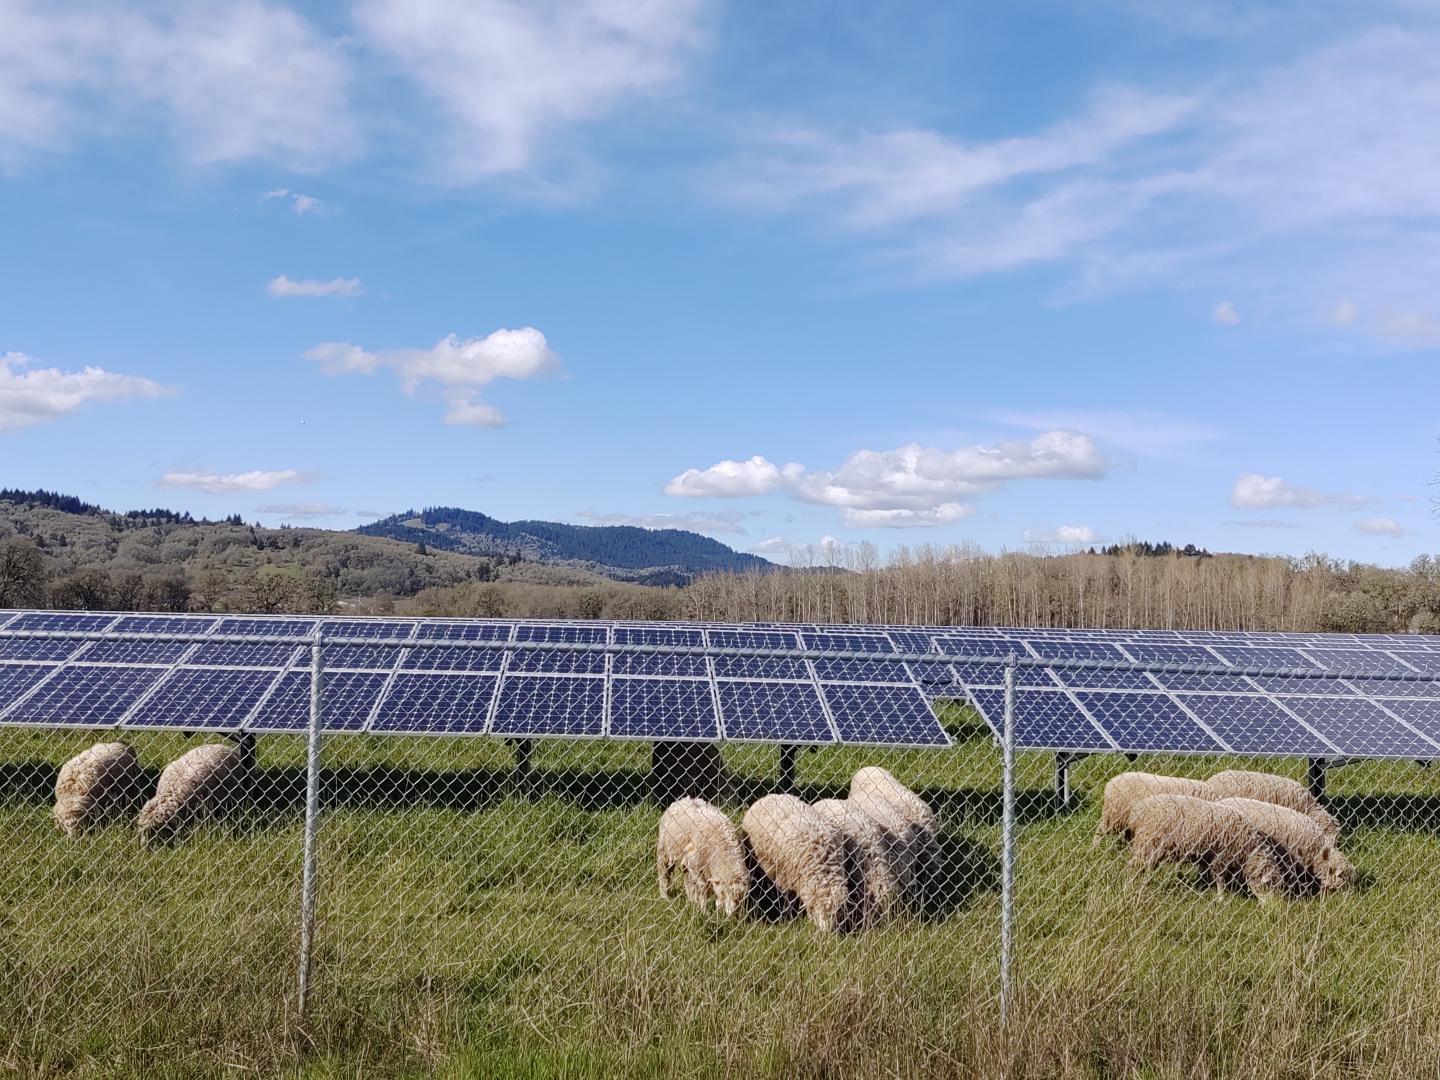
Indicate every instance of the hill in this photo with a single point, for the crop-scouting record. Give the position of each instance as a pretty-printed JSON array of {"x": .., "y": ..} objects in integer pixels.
[{"x": 619, "y": 552}]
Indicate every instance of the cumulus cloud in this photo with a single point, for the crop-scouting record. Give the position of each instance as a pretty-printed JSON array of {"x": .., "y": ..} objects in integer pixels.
[
  {"x": 459, "y": 368},
  {"x": 725, "y": 521},
  {"x": 1226, "y": 314},
  {"x": 1062, "y": 534},
  {"x": 1255, "y": 492},
  {"x": 773, "y": 545},
  {"x": 731, "y": 479},
  {"x": 282, "y": 287},
  {"x": 944, "y": 514},
  {"x": 1380, "y": 526},
  {"x": 509, "y": 75},
  {"x": 31, "y": 395},
  {"x": 229, "y": 483},
  {"x": 298, "y": 511},
  {"x": 1344, "y": 313},
  {"x": 1141, "y": 431},
  {"x": 299, "y": 202}
]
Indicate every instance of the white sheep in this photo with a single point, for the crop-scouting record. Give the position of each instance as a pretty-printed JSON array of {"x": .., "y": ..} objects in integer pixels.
[
  {"x": 906, "y": 815},
  {"x": 880, "y": 857},
  {"x": 198, "y": 784},
  {"x": 1122, "y": 792},
  {"x": 1203, "y": 832},
  {"x": 702, "y": 841},
  {"x": 1280, "y": 790},
  {"x": 809, "y": 859},
  {"x": 1311, "y": 859},
  {"x": 95, "y": 786}
]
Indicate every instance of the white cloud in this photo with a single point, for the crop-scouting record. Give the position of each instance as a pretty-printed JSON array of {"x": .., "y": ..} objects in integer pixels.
[
  {"x": 305, "y": 511},
  {"x": 510, "y": 75},
  {"x": 30, "y": 395},
  {"x": 282, "y": 287},
  {"x": 1344, "y": 313},
  {"x": 300, "y": 203},
  {"x": 1226, "y": 314},
  {"x": 228, "y": 483},
  {"x": 773, "y": 545},
  {"x": 1408, "y": 329},
  {"x": 726, "y": 521},
  {"x": 1380, "y": 526},
  {"x": 460, "y": 368},
  {"x": 1140, "y": 431},
  {"x": 234, "y": 81},
  {"x": 1255, "y": 492},
  {"x": 1072, "y": 535},
  {"x": 1264, "y": 523},
  {"x": 730, "y": 479},
  {"x": 943, "y": 514}
]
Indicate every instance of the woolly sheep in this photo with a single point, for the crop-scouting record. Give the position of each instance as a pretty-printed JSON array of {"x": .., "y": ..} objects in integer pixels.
[
  {"x": 809, "y": 858},
  {"x": 703, "y": 842},
  {"x": 1311, "y": 859},
  {"x": 895, "y": 807},
  {"x": 197, "y": 784},
  {"x": 1218, "y": 839},
  {"x": 1280, "y": 790},
  {"x": 879, "y": 856},
  {"x": 1124, "y": 791},
  {"x": 94, "y": 786}
]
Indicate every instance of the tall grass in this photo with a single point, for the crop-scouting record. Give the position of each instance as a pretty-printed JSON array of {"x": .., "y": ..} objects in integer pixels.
[{"x": 472, "y": 926}]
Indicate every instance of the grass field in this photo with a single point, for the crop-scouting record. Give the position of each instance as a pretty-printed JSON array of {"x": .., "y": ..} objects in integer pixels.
[{"x": 468, "y": 927}]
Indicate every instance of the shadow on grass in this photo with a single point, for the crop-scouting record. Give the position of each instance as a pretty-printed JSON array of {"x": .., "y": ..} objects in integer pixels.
[{"x": 1404, "y": 813}]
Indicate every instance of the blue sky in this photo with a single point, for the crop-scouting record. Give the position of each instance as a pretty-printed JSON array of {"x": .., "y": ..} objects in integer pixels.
[{"x": 1027, "y": 275}]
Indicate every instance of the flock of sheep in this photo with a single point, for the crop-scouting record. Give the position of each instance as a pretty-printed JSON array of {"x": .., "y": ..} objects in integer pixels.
[
  {"x": 847, "y": 864},
  {"x": 103, "y": 783},
  {"x": 1249, "y": 831}
]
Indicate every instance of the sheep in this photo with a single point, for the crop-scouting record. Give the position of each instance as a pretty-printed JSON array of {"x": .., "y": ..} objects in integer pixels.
[
  {"x": 1218, "y": 839},
  {"x": 895, "y": 807},
  {"x": 704, "y": 843},
  {"x": 94, "y": 786},
  {"x": 808, "y": 857},
  {"x": 198, "y": 784},
  {"x": 1280, "y": 790},
  {"x": 1311, "y": 860},
  {"x": 879, "y": 857},
  {"x": 1124, "y": 791}
]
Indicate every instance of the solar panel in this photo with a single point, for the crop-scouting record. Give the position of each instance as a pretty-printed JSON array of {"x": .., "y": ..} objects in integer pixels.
[
  {"x": 436, "y": 704},
  {"x": 889, "y": 715},
  {"x": 202, "y": 699},
  {"x": 572, "y": 663},
  {"x": 662, "y": 709},
  {"x": 346, "y": 701},
  {"x": 82, "y": 697},
  {"x": 557, "y": 705},
  {"x": 779, "y": 712}
]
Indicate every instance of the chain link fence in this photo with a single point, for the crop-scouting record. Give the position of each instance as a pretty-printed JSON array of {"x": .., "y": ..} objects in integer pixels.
[{"x": 1067, "y": 889}]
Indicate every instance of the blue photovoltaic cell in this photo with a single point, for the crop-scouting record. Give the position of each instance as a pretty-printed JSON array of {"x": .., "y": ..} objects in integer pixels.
[
  {"x": 773, "y": 712},
  {"x": 659, "y": 663},
  {"x": 1092, "y": 678},
  {"x": 346, "y": 698},
  {"x": 366, "y": 657},
  {"x": 1263, "y": 656},
  {"x": 573, "y": 663},
  {"x": 464, "y": 631},
  {"x": 1424, "y": 715},
  {"x": 164, "y": 624},
  {"x": 241, "y": 654},
  {"x": 913, "y": 641},
  {"x": 1428, "y": 662},
  {"x": 1251, "y": 724},
  {"x": 15, "y": 679},
  {"x": 934, "y": 675},
  {"x": 757, "y": 667},
  {"x": 1146, "y": 722},
  {"x": 134, "y": 652},
  {"x": 883, "y": 714},
  {"x": 85, "y": 697},
  {"x": 60, "y": 620},
  {"x": 267, "y": 627},
  {"x": 436, "y": 704},
  {"x": 1357, "y": 727},
  {"x": 551, "y": 705},
  {"x": 1189, "y": 654},
  {"x": 208, "y": 698},
  {"x": 433, "y": 658},
  {"x": 1395, "y": 688},
  {"x": 38, "y": 648},
  {"x": 662, "y": 709},
  {"x": 1044, "y": 720},
  {"x": 1355, "y": 660}
]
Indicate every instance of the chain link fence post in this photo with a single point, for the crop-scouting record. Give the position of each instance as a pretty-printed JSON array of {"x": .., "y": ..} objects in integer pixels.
[
  {"x": 312, "y": 821},
  {"x": 1007, "y": 841}
]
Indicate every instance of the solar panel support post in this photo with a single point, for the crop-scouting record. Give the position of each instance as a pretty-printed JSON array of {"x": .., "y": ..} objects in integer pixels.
[
  {"x": 1007, "y": 842},
  {"x": 788, "y": 754},
  {"x": 1063, "y": 761},
  {"x": 312, "y": 821},
  {"x": 1315, "y": 769}
]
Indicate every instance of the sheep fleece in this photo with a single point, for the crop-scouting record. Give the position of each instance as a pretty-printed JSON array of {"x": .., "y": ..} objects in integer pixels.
[
  {"x": 875, "y": 889},
  {"x": 1305, "y": 843},
  {"x": 703, "y": 841},
  {"x": 1280, "y": 790},
  {"x": 1186, "y": 829},
  {"x": 805, "y": 855},
  {"x": 1127, "y": 789},
  {"x": 191, "y": 787},
  {"x": 93, "y": 785},
  {"x": 897, "y": 808}
]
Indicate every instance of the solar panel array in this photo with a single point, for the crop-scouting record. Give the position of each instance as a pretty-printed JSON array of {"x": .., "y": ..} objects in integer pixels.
[
  {"x": 677, "y": 681},
  {"x": 603, "y": 680}
]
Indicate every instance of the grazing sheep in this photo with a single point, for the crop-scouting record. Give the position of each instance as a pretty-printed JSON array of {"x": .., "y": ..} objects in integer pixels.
[
  {"x": 703, "y": 842},
  {"x": 1216, "y": 838},
  {"x": 199, "y": 783},
  {"x": 1311, "y": 861},
  {"x": 1280, "y": 790},
  {"x": 879, "y": 856},
  {"x": 1124, "y": 791},
  {"x": 897, "y": 808},
  {"x": 808, "y": 857},
  {"x": 94, "y": 786}
]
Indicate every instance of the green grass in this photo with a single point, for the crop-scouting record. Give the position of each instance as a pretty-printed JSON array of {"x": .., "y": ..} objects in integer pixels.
[{"x": 468, "y": 927}]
